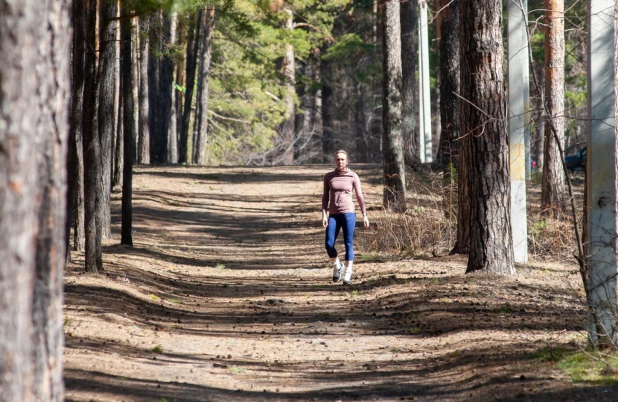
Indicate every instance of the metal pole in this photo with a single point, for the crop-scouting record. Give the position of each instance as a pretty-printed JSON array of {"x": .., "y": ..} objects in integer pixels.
[{"x": 517, "y": 74}]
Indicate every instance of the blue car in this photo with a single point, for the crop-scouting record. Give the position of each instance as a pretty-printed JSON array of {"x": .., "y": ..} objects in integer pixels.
[{"x": 576, "y": 161}]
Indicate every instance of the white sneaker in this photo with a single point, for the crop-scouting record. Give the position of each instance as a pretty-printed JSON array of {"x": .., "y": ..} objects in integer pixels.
[
  {"x": 347, "y": 277},
  {"x": 337, "y": 271}
]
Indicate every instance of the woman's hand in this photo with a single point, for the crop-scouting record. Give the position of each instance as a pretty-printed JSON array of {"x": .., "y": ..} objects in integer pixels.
[
  {"x": 324, "y": 219},
  {"x": 365, "y": 221}
]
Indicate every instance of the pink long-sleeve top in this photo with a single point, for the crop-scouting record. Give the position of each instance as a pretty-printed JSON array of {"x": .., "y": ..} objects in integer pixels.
[{"x": 337, "y": 196}]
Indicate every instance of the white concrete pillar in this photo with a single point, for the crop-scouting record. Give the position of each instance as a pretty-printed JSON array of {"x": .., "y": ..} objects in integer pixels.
[
  {"x": 425, "y": 132},
  {"x": 601, "y": 169},
  {"x": 517, "y": 75}
]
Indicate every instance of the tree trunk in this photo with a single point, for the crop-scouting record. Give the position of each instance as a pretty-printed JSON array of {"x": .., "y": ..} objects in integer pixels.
[
  {"x": 288, "y": 70},
  {"x": 376, "y": 123},
  {"x": 448, "y": 23},
  {"x": 409, "y": 89},
  {"x": 193, "y": 35},
  {"x": 127, "y": 124},
  {"x": 204, "y": 70},
  {"x": 32, "y": 197},
  {"x": 316, "y": 108},
  {"x": 361, "y": 124},
  {"x": 328, "y": 106},
  {"x": 54, "y": 47},
  {"x": 172, "y": 131},
  {"x": 92, "y": 151},
  {"x": 158, "y": 141},
  {"x": 483, "y": 119},
  {"x": 107, "y": 107},
  {"x": 394, "y": 164},
  {"x": 166, "y": 85},
  {"x": 553, "y": 200},
  {"x": 143, "y": 154},
  {"x": 180, "y": 80},
  {"x": 75, "y": 167},
  {"x": 462, "y": 243},
  {"x": 539, "y": 126},
  {"x": 119, "y": 149}
]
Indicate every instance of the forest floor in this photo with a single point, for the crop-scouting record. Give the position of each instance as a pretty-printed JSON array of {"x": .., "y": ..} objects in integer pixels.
[{"x": 227, "y": 296}]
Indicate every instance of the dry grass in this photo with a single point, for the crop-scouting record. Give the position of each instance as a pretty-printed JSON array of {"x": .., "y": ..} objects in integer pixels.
[{"x": 429, "y": 227}]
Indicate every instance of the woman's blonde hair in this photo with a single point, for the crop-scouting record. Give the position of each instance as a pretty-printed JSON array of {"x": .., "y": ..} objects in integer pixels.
[{"x": 341, "y": 151}]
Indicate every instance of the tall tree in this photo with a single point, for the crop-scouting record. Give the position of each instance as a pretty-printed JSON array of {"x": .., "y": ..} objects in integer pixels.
[
  {"x": 158, "y": 139},
  {"x": 166, "y": 84},
  {"x": 193, "y": 35},
  {"x": 127, "y": 125},
  {"x": 328, "y": 103},
  {"x": 409, "y": 89},
  {"x": 539, "y": 115},
  {"x": 119, "y": 147},
  {"x": 393, "y": 160},
  {"x": 107, "y": 106},
  {"x": 483, "y": 119},
  {"x": 181, "y": 42},
  {"x": 553, "y": 189},
  {"x": 288, "y": 70},
  {"x": 172, "y": 130},
  {"x": 448, "y": 29},
  {"x": 32, "y": 197},
  {"x": 75, "y": 155},
  {"x": 205, "y": 57},
  {"x": 92, "y": 145},
  {"x": 143, "y": 144}
]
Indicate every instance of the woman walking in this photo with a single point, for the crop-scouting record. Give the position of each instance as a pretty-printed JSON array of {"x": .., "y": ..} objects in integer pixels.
[{"x": 338, "y": 213}]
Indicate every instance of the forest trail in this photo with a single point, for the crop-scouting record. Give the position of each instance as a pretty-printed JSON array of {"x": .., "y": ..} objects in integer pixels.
[{"x": 226, "y": 296}]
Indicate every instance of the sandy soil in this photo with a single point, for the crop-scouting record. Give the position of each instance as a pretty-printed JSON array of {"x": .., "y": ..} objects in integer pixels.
[{"x": 226, "y": 296}]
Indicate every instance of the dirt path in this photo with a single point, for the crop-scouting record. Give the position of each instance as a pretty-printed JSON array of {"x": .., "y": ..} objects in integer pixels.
[{"x": 226, "y": 297}]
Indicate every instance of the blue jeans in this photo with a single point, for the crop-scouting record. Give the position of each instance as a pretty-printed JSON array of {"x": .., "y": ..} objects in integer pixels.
[{"x": 335, "y": 223}]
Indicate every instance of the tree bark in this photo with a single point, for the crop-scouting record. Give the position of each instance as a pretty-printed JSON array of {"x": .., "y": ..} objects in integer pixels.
[
  {"x": 193, "y": 35},
  {"x": 288, "y": 70},
  {"x": 483, "y": 118},
  {"x": 394, "y": 164},
  {"x": 361, "y": 124},
  {"x": 553, "y": 198},
  {"x": 143, "y": 154},
  {"x": 205, "y": 58},
  {"x": 75, "y": 164},
  {"x": 448, "y": 23},
  {"x": 316, "y": 105},
  {"x": 107, "y": 107},
  {"x": 172, "y": 131},
  {"x": 158, "y": 140},
  {"x": 539, "y": 116},
  {"x": 32, "y": 197},
  {"x": 181, "y": 34},
  {"x": 462, "y": 244},
  {"x": 50, "y": 245},
  {"x": 127, "y": 124},
  {"x": 376, "y": 123},
  {"x": 119, "y": 149},
  {"x": 92, "y": 151},
  {"x": 409, "y": 89},
  {"x": 328, "y": 106},
  {"x": 166, "y": 85}
]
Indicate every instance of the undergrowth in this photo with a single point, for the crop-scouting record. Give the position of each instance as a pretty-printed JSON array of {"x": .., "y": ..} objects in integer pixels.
[
  {"x": 583, "y": 365},
  {"x": 428, "y": 227}
]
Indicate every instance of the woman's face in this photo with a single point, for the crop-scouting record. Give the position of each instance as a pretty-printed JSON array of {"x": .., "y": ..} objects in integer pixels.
[{"x": 341, "y": 161}]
